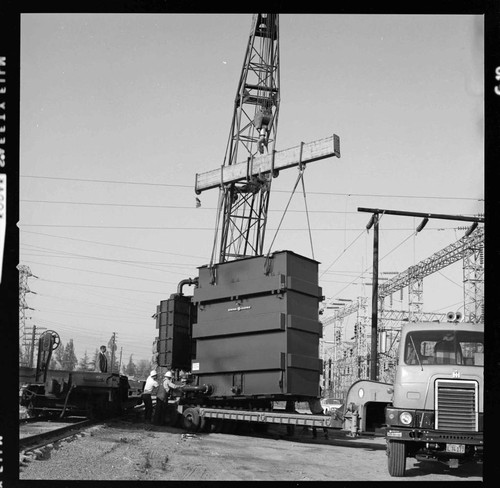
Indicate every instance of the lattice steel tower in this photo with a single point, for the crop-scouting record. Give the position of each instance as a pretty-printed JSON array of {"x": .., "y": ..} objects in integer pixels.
[
  {"x": 474, "y": 284},
  {"x": 24, "y": 274}
]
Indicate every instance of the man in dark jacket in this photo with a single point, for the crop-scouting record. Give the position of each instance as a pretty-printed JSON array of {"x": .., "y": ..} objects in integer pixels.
[
  {"x": 162, "y": 398},
  {"x": 103, "y": 360}
]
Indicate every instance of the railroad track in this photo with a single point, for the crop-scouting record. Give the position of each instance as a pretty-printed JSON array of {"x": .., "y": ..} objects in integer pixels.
[{"x": 36, "y": 433}]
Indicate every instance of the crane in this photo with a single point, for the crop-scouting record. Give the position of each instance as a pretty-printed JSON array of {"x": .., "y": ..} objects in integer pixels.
[{"x": 250, "y": 160}]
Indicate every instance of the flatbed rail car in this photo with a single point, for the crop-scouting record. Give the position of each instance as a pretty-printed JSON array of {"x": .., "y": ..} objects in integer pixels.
[
  {"x": 88, "y": 393},
  {"x": 362, "y": 414}
]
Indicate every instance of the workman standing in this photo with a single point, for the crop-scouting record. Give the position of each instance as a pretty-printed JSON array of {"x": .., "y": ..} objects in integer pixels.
[
  {"x": 103, "y": 360},
  {"x": 168, "y": 384},
  {"x": 150, "y": 387},
  {"x": 162, "y": 398}
]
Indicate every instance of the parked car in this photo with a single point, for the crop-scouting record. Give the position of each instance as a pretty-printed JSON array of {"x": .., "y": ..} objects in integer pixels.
[{"x": 330, "y": 405}]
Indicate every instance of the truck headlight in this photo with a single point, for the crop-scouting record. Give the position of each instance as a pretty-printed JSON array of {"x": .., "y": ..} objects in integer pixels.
[{"x": 405, "y": 418}]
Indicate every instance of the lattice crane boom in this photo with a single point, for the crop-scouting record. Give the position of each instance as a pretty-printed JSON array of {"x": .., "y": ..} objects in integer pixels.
[
  {"x": 243, "y": 205},
  {"x": 250, "y": 161}
]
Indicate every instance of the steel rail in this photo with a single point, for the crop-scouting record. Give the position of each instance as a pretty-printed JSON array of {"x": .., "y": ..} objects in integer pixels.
[{"x": 44, "y": 438}]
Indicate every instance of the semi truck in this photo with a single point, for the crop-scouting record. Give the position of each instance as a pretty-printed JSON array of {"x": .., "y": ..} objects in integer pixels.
[{"x": 437, "y": 408}]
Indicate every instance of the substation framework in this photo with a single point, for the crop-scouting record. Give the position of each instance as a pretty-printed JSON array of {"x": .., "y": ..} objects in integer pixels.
[{"x": 346, "y": 360}]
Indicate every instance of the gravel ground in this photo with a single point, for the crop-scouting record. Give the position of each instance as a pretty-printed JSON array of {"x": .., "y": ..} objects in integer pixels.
[{"x": 132, "y": 450}]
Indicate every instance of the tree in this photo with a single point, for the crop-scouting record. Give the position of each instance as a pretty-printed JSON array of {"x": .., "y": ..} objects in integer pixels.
[
  {"x": 84, "y": 364},
  {"x": 69, "y": 359},
  {"x": 130, "y": 369},
  {"x": 94, "y": 363},
  {"x": 143, "y": 369},
  {"x": 58, "y": 356}
]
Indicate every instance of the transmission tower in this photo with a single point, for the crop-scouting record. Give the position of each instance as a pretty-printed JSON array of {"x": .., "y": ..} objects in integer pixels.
[
  {"x": 24, "y": 339},
  {"x": 469, "y": 248},
  {"x": 460, "y": 249},
  {"x": 474, "y": 285}
]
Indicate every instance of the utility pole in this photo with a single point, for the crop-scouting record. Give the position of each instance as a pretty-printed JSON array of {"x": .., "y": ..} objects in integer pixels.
[
  {"x": 374, "y": 221},
  {"x": 113, "y": 347},
  {"x": 120, "y": 365}
]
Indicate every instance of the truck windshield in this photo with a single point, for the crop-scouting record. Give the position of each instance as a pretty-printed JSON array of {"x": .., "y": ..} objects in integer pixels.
[{"x": 444, "y": 346}]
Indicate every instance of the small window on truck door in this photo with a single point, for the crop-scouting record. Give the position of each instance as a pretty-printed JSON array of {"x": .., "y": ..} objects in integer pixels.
[{"x": 425, "y": 352}]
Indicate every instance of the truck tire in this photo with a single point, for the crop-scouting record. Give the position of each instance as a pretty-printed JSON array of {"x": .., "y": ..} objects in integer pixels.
[
  {"x": 396, "y": 458},
  {"x": 191, "y": 420}
]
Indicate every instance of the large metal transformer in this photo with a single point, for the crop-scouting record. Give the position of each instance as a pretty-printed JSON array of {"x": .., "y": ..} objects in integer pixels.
[
  {"x": 257, "y": 330},
  {"x": 174, "y": 319}
]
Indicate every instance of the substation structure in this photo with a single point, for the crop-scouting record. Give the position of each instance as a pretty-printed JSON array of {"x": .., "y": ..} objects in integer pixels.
[{"x": 346, "y": 358}]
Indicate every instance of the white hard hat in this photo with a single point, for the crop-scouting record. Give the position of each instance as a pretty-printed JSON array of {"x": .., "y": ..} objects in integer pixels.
[
  {"x": 168, "y": 374},
  {"x": 153, "y": 373}
]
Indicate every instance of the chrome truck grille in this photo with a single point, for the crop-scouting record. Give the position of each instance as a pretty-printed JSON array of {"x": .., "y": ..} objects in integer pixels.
[{"x": 456, "y": 405}]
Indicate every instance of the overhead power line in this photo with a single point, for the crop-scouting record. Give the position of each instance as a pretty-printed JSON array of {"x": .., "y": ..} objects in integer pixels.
[
  {"x": 98, "y": 272},
  {"x": 77, "y": 226},
  {"x": 109, "y": 244},
  {"x": 93, "y": 304},
  {"x": 89, "y": 180},
  {"x": 176, "y": 207},
  {"x": 157, "y": 292},
  {"x": 59, "y": 255},
  {"x": 97, "y": 258}
]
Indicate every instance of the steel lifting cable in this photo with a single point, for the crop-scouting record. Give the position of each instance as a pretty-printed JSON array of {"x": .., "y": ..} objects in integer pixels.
[
  {"x": 307, "y": 211},
  {"x": 284, "y": 212},
  {"x": 217, "y": 222}
]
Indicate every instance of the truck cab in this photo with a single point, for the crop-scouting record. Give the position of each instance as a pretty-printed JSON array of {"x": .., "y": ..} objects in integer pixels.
[{"x": 437, "y": 409}]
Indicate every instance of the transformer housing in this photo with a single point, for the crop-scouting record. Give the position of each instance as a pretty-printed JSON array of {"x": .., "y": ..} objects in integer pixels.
[{"x": 257, "y": 330}]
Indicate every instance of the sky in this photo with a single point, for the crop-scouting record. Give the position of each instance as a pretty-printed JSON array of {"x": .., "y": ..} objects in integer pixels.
[{"x": 120, "y": 111}]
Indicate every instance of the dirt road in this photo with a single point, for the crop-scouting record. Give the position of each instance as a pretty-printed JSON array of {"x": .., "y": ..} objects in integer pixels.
[{"x": 123, "y": 450}]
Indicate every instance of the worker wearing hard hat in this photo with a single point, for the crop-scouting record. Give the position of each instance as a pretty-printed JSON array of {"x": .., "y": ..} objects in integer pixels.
[
  {"x": 168, "y": 384},
  {"x": 162, "y": 397},
  {"x": 149, "y": 388}
]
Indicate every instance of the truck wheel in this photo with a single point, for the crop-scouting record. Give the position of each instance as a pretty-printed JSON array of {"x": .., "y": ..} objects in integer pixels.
[
  {"x": 191, "y": 419},
  {"x": 396, "y": 460}
]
